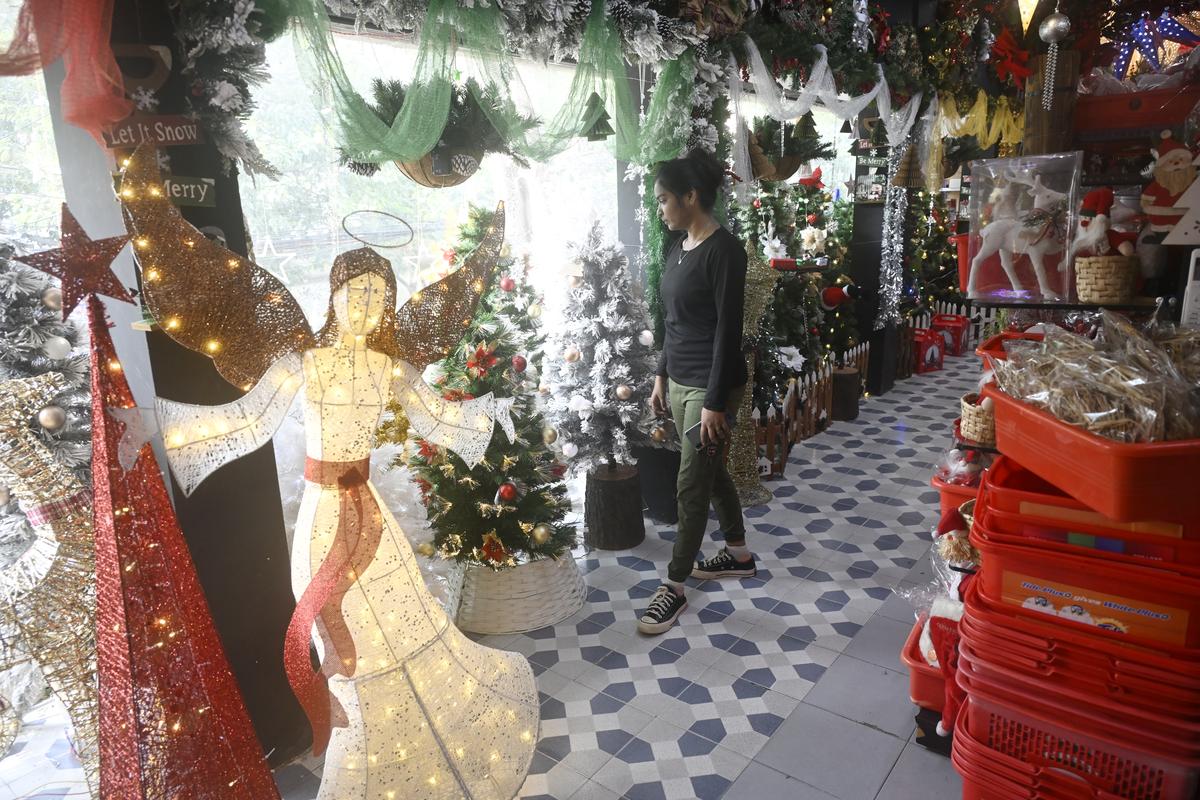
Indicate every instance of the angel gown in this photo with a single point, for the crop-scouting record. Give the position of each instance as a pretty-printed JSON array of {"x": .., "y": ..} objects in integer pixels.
[{"x": 430, "y": 714}]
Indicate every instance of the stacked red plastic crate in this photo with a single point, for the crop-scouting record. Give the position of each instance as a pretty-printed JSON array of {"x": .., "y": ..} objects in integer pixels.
[{"x": 1080, "y": 648}]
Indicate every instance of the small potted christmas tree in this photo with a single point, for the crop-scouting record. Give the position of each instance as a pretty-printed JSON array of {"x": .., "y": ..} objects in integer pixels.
[
  {"x": 506, "y": 518},
  {"x": 600, "y": 370}
]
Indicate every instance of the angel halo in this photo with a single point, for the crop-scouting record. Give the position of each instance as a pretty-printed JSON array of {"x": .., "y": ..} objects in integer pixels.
[{"x": 407, "y": 705}]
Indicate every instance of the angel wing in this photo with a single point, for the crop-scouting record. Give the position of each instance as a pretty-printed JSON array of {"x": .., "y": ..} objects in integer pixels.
[
  {"x": 204, "y": 296},
  {"x": 434, "y": 319}
]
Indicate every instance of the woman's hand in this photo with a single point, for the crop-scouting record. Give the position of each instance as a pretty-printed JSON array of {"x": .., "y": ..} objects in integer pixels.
[
  {"x": 714, "y": 428},
  {"x": 658, "y": 397}
]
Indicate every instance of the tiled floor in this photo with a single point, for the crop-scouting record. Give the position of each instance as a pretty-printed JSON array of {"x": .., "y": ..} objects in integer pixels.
[{"x": 785, "y": 686}]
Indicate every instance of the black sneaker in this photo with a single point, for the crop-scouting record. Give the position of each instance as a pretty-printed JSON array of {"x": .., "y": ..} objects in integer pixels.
[
  {"x": 724, "y": 565},
  {"x": 665, "y": 607}
]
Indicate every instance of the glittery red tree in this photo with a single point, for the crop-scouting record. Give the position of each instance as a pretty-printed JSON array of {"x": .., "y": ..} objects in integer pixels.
[{"x": 172, "y": 721}]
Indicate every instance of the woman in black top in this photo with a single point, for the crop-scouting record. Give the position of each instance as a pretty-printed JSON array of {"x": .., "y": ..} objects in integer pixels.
[{"x": 703, "y": 372}]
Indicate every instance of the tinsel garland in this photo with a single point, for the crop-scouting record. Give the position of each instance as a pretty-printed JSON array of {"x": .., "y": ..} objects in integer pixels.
[
  {"x": 743, "y": 453},
  {"x": 891, "y": 267},
  {"x": 53, "y": 611}
]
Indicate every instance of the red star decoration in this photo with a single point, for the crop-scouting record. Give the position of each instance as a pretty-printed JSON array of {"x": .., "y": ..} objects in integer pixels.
[{"x": 83, "y": 265}]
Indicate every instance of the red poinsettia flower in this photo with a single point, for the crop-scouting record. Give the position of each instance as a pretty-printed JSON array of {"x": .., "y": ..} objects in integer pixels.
[
  {"x": 427, "y": 450},
  {"x": 493, "y": 549},
  {"x": 483, "y": 359},
  {"x": 558, "y": 470},
  {"x": 451, "y": 255}
]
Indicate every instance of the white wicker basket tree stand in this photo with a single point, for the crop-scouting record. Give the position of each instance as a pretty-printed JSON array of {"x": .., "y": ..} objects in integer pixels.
[{"x": 532, "y": 595}]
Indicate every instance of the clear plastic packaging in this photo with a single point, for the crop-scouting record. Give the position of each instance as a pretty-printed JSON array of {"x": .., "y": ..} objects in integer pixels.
[
  {"x": 963, "y": 467},
  {"x": 1122, "y": 385},
  {"x": 1023, "y": 219}
]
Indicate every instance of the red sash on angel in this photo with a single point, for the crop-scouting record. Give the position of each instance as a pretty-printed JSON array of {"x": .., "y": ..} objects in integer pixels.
[{"x": 360, "y": 528}]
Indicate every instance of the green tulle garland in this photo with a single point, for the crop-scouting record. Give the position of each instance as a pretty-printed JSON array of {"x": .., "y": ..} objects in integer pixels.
[{"x": 477, "y": 36}]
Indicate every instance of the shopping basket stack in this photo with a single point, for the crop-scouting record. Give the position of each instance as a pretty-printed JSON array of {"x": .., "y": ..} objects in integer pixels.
[{"x": 1080, "y": 641}]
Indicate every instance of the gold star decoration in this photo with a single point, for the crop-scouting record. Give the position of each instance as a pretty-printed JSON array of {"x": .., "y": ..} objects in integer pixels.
[{"x": 82, "y": 264}]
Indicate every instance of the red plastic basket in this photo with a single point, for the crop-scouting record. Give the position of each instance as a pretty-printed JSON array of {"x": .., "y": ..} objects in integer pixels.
[
  {"x": 992, "y": 775},
  {"x": 1016, "y": 490},
  {"x": 1136, "y": 548},
  {"x": 1098, "y": 765},
  {"x": 1182, "y": 731},
  {"x": 1144, "y": 603},
  {"x": 1122, "y": 481},
  {"x": 992, "y": 348},
  {"x": 926, "y": 686},
  {"x": 950, "y": 495},
  {"x": 1046, "y": 646}
]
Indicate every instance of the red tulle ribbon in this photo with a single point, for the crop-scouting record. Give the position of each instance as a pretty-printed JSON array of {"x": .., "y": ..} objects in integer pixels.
[
  {"x": 77, "y": 31},
  {"x": 360, "y": 528}
]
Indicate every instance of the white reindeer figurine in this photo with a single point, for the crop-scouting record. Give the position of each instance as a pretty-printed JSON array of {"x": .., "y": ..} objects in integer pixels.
[{"x": 1032, "y": 234}]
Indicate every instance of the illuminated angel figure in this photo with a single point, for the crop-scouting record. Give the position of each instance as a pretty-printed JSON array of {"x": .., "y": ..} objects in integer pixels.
[{"x": 408, "y": 706}]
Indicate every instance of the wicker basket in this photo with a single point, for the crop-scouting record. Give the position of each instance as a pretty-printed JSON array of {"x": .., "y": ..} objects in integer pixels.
[
  {"x": 524, "y": 598},
  {"x": 421, "y": 171},
  {"x": 978, "y": 423},
  {"x": 1105, "y": 280},
  {"x": 967, "y": 510}
]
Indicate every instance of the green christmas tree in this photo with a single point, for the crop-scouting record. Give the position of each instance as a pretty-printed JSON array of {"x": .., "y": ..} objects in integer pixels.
[
  {"x": 823, "y": 238},
  {"x": 931, "y": 259},
  {"x": 513, "y": 505}
]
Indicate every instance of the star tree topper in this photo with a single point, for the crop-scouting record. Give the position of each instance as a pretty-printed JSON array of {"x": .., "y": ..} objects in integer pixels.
[{"x": 82, "y": 264}]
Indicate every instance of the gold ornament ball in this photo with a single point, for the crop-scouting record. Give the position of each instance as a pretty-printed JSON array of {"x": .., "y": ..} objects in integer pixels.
[
  {"x": 541, "y": 533},
  {"x": 624, "y": 392},
  {"x": 52, "y": 418},
  {"x": 549, "y": 435},
  {"x": 5, "y": 496},
  {"x": 52, "y": 298},
  {"x": 572, "y": 355},
  {"x": 659, "y": 434},
  {"x": 575, "y": 281},
  {"x": 535, "y": 311},
  {"x": 425, "y": 549},
  {"x": 543, "y": 389}
]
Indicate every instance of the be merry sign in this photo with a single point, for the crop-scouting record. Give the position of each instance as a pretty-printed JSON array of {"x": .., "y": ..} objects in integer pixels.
[{"x": 160, "y": 129}]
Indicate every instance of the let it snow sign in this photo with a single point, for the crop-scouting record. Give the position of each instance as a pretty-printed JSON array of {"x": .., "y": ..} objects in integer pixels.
[{"x": 160, "y": 129}]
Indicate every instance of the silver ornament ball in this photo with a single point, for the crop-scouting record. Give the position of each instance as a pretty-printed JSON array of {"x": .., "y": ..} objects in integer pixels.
[
  {"x": 52, "y": 418},
  {"x": 646, "y": 338},
  {"x": 624, "y": 391},
  {"x": 570, "y": 449},
  {"x": 56, "y": 348},
  {"x": 1055, "y": 28},
  {"x": 52, "y": 298}
]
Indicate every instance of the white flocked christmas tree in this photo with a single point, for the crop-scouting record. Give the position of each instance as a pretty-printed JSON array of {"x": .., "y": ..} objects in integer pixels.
[{"x": 599, "y": 365}]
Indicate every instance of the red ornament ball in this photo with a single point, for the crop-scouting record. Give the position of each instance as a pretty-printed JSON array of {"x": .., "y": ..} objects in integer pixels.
[
  {"x": 507, "y": 283},
  {"x": 812, "y": 219},
  {"x": 519, "y": 363},
  {"x": 508, "y": 492},
  {"x": 757, "y": 203}
]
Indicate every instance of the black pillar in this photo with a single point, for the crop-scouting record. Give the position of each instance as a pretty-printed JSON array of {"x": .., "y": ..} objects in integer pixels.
[{"x": 233, "y": 522}]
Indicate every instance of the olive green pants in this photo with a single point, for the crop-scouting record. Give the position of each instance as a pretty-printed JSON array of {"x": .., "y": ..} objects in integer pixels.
[{"x": 703, "y": 479}]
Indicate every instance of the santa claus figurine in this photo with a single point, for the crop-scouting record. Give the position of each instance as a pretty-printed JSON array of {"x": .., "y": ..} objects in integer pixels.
[
  {"x": 1096, "y": 236},
  {"x": 1174, "y": 170}
]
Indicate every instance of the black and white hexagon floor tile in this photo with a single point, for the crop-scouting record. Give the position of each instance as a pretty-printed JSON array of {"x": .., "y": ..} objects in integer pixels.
[{"x": 787, "y": 682}]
